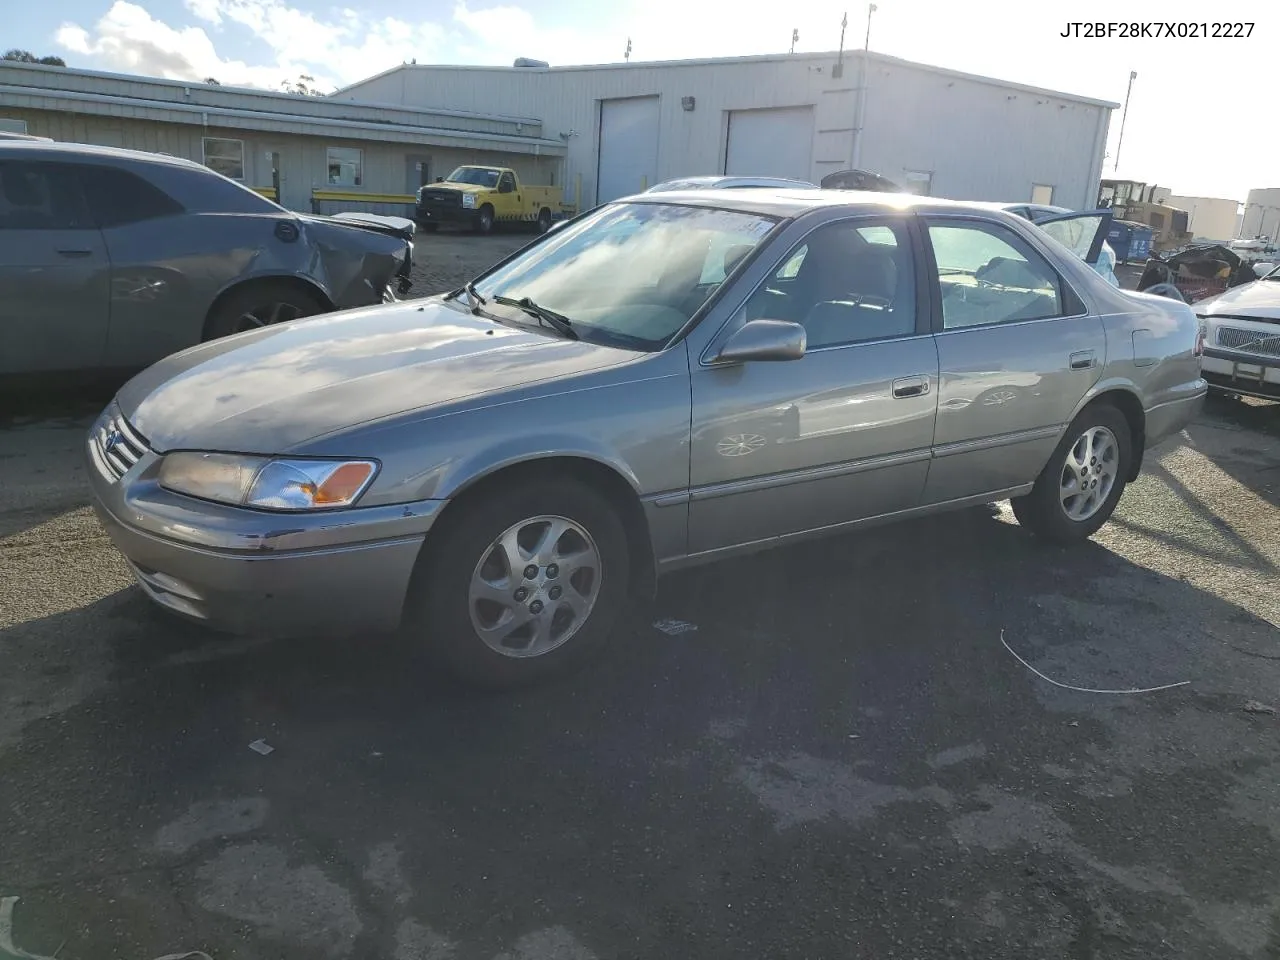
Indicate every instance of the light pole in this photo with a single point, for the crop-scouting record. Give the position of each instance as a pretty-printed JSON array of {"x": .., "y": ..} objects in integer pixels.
[
  {"x": 1124, "y": 115},
  {"x": 862, "y": 92}
]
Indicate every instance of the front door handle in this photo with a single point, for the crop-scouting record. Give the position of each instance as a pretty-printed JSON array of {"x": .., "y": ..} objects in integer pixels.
[
  {"x": 76, "y": 253},
  {"x": 910, "y": 387},
  {"x": 1082, "y": 360}
]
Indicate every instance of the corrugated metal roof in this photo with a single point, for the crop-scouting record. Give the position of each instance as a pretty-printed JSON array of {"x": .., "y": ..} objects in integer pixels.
[
  {"x": 62, "y": 78},
  {"x": 36, "y": 98}
]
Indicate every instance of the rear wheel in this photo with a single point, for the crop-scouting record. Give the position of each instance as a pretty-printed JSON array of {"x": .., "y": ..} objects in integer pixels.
[
  {"x": 544, "y": 220},
  {"x": 1079, "y": 488},
  {"x": 261, "y": 305},
  {"x": 524, "y": 583}
]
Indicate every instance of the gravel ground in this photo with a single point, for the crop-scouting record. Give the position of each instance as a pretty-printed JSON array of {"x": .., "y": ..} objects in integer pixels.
[{"x": 840, "y": 760}]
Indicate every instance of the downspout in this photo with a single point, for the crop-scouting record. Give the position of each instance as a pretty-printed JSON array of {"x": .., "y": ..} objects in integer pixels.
[{"x": 856, "y": 161}]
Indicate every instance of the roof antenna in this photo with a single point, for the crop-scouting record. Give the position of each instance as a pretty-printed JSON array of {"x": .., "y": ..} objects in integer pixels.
[
  {"x": 627, "y": 56},
  {"x": 795, "y": 38}
]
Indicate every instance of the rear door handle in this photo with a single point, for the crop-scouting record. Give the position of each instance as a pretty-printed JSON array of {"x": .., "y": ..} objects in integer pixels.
[
  {"x": 76, "y": 253},
  {"x": 1082, "y": 360},
  {"x": 910, "y": 387}
]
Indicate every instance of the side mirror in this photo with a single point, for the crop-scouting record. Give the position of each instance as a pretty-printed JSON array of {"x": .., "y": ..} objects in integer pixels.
[{"x": 764, "y": 340}]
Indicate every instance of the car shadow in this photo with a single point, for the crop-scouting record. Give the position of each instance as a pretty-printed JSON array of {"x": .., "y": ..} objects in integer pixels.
[{"x": 637, "y": 798}]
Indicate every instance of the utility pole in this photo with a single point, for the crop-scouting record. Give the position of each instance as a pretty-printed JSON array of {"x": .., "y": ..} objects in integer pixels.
[
  {"x": 1124, "y": 115},
  {"x": 839, "y": 67},
  {"x": 862, "y": 92}
]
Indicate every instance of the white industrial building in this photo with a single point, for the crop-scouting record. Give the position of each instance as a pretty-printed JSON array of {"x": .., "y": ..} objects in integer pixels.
[
  {"x": 934, "y": 131},
  {"x": 599, "y": 131},
  {"x": 1261, "y": 214},
  {"x": 1208, "y": 218}
]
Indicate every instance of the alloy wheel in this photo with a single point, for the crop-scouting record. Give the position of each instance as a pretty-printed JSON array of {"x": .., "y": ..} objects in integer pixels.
[
  {"x": 534, "y": 586},
  {"x": 1089, "y": 473}
]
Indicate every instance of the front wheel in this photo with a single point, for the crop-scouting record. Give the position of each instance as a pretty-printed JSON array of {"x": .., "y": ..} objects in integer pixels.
[
  {"x": 524, "y": 583},
  {"x": 484, "y": 219},
  {"x": 1079, "y": 488}
]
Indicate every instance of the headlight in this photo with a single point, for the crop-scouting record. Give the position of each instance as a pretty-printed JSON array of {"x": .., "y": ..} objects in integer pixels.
[
  {"x": 469, "y": 200},
  {"x": 271, "y": 484}
]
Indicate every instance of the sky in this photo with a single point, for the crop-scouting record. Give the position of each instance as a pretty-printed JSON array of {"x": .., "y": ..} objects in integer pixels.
[{"x": 1200, "y": 118}]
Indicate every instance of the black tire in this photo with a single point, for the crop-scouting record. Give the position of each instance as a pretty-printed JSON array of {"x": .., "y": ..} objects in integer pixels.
[
  {"x": 440, "y": 605},
  {"x": 267, "y": 302},
  {"x": 484, "y": 219},
  {"x": 544, "y": 220},
  {"x": 1042, "y": 512}
]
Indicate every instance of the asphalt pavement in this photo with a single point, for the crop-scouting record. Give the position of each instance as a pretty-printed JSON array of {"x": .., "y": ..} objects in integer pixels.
[{"x": 826, "y": 751}]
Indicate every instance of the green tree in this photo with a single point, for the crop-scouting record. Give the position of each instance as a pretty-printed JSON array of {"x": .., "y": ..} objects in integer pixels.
[{"x": 26, "y": 56}]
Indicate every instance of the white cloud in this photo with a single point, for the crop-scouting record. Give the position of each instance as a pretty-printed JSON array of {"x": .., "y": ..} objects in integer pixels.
[{"x": 128, "y": 38}]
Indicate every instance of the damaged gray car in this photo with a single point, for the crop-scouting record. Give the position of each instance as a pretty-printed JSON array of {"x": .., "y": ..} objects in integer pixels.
[{"x": 113, "y": 259}]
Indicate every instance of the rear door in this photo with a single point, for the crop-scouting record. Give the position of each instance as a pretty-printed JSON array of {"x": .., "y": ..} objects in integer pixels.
[
  {"x": 54, "y": 272},
  {"x": 154, "y": 310},
  {"x": 1017, "y": 350}
]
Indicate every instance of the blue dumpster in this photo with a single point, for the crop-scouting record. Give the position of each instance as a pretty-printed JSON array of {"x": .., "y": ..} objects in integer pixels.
[{"x": 1130, "y": 240}]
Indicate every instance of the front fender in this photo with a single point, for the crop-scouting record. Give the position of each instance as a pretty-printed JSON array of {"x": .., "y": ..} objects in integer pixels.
[{"x": 460, "y": 475}]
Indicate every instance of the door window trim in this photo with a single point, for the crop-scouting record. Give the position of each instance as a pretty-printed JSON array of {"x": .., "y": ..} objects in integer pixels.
[
  {"x": 1070, "y": 298},
  {"x": 915, "y": 248}
]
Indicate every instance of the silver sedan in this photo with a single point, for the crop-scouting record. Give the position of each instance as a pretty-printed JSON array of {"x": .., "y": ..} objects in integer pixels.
[{"x": 669, "y": 379}]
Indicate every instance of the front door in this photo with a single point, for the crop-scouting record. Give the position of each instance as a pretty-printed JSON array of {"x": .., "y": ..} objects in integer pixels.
[
  {"x": 417, "y": 172},
  {"x": 54, "y": 272},
  {"x": 507, "y": 205},
  {"x": 1017, "y": 350},
  {"x": 844, "y": 432}
]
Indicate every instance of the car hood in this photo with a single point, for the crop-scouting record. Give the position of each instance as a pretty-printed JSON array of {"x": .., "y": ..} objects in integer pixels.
[
  {"x": 1259, "y": 300},
  {"x": 271, "y": 390},
  {"x": 460, "y": 187}
]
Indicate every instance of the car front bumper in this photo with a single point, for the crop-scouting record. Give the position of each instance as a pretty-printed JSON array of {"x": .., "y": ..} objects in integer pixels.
[
  {"x": 444, "y": 213},
  {"x": 259, "y": 572},
  {"x": 1235, "y": 371}
]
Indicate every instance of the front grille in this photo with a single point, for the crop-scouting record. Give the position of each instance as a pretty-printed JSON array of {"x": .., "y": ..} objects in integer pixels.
[
  {"x": 441, "y": 198},
  {"x": 1233, "y": 338},
  {"x": 118, "y": 445}
]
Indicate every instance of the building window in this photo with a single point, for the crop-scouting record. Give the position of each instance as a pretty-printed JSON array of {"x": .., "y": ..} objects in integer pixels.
[
  {"x": 225, "y": 157},
  {"x": 1042, "y": 194},
  {"x": 919, "y": 182},
  {"x": 9, "y": 125},
  {"x": 345, "y": 167}
]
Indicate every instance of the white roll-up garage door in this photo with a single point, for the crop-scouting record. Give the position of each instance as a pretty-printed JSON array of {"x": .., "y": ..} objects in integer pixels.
[
  {"x": 628, "y": 147},
  {"x": 771, "y": 143}
]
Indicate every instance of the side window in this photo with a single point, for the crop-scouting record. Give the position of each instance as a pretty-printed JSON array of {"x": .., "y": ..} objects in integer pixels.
[
  {"x": 847, "y": 283},
  {"x": 989, "y": 275},
  {"x": 40, "y": 196},
  {"x": 118, "y": 197},
  {"x": 507, "y": 184}
]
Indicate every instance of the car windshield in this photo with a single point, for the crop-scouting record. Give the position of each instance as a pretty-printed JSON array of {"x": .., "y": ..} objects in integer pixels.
[
  {"x": 479, "y": 176},
  {"x": 1274, "y": 274},
  {"x": 631, "y": 274}
]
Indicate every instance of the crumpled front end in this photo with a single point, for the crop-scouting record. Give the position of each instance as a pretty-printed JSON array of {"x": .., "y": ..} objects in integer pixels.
[{"x": 358, "y": 266}]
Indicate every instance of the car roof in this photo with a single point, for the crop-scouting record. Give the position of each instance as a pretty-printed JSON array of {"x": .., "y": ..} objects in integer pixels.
[
  {"x": 778, "y": 202},
  {"x": 54, "y": 150},
  {"x": 716, "y": 181}
]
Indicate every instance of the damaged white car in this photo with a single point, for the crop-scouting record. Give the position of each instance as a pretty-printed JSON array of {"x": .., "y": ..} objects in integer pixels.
[{"x": 1241, "y": 328}]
